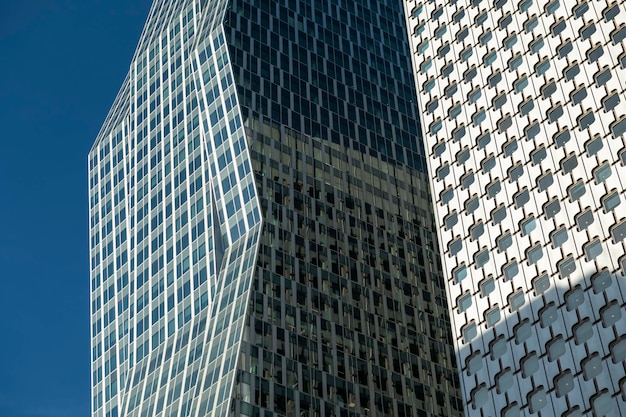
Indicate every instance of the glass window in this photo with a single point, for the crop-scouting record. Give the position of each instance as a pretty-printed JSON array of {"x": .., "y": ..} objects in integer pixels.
[
  {"x": 565, "y": 48},
  {"x": 487, "y": 286},
  {"x": 569, "y": 163},
  {"x": 459, "y": 273},
  {"x": 464, "y": 302},
  {"x": 528, "y": 225},
  {"x": 545, "y": 181},
  {"x": 504, "y": 241},
  {"x": 534, "y": 254},
  {"x": 541, "y": 284},
  {"x": 488, "y": 163},
  {"x": 538, "y": 155},
  {"x": 592, "y": 249},
  {"x": 601, "y": 173},
  {"x": 510, "y": 270},
  {"x": 516, "y": 300},
  {"x": 492, "y": 316},
  {"x": 551, "y": 208},
  {"x": 531, "y": 24},
  {"x": 584, "y": 219},
  {"x": 610, "y": 201},
  {"x": 558, "y": 237},
  {"x": 494, "y": 188}
]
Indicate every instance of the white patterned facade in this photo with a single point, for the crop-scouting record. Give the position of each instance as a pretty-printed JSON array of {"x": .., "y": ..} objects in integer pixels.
[
  {"x": 175, "y": 222},
  {"x": 523, "y": 109}
]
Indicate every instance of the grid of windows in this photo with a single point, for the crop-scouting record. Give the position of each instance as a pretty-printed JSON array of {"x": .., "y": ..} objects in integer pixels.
[
  {"x": 541, "y": 91},
  {"x": 300, "y": 113}
]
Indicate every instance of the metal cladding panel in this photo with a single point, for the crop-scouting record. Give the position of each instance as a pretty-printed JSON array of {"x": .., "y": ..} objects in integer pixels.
[{"x": 524, "y": 118}]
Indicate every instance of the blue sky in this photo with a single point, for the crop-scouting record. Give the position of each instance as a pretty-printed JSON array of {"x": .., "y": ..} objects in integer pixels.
[{"x": 61, "y": 64}]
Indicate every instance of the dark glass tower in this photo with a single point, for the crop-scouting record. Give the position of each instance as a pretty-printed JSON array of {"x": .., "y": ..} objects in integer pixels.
[{"x": 262, "y": 235}]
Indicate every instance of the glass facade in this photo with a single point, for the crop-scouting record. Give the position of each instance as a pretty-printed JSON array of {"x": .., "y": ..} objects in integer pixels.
[
  {"x": 523, "y": 112},
  {"x": 262, "y": 237}
]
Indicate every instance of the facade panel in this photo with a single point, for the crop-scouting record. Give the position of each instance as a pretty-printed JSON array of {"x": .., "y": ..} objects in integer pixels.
[
  {"x": 262, "y": 239},
  {"x": 523, "y": 112}
]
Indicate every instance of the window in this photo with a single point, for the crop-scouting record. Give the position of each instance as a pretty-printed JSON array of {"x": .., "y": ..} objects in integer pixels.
[
  {"x": 464, "y": 301},
  {"x": 467, "y": 180},
  {"x": 488, "y": 163},
  {"x": 595, "y": 53},
  {"x": 558, "y": 237},
  {"x": 510, "y": 270},
  {"x": 499, "y": 214},
  {"x": 610, "y": 201},
  {"x": 551, "y": 208},
  {"x": 531, "y": 23},
  {"x": 552, "y": 7},
  {"x": 477, "y": 230},
  {"x": 593, "y": 146},
  {"x": 561, "y": 138},
  {"x": 450, "y": 220},
  {"x": 574, "y": 298},
  {"x": 584, "y": 219},
  {"x": 566, "y": 266},
  {"x": 485, "y": 37},
  {"x": 536, "y": 45},
  {"x": 493, "y": 188},
  {"x": 548, "y": 314},
  {"x": 588, "y": 30},
  {"x": 509, "y": 148},
  {"x": 521, "y": 197},
  {"x": 492, "y": 316},
  {"x": 472, "y": 204},
  {"x": 541, "y": 284},
  {"x": 494, "y": 78},
  {"x": 610, "y": 101},
  {"x": 528, "y": 225},
  {"x": 602, "y": 76},
  {"x": 569, "y": 163},
  {"x": 499, "y": 101},
  {"x": 504, "y": 241},
  {"x": 538, "y": 155},
  {"x": 578, "y": 95},
  {"x": 483, "y": 140},
  {"x": 481, "y": 257},
  {"x": 555, "y": 112},
  {"x": 459, "y": 273},
  {"x": 516, "y": 172},
  {"x": 548, "y": 89},
  {"x": 474, "y": 95},
  {"x": 580, "y": 9},
  {"x": 564, "y": 48},
  {"x": 520, "y": 83},
  {"x": 516, "y": 301},
  {"x": 463, "y": 155},
  {"x": 601, "y": 173},
  {"x": 545, "y": 181},
  {"x": 600, "y": 281},
  {"x": 534, "y": 254},
  {"x": 487, "y": 286}
]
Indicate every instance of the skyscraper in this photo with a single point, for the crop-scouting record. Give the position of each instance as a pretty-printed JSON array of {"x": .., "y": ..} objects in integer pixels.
[
  {"x": 524, "y": 114},
  {"x": 262, "y": 240}
]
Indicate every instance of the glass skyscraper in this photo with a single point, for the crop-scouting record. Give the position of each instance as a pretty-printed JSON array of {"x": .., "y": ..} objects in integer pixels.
[
  {"x": 262, "y": 236},
  {"x": 523, "y": 107}
]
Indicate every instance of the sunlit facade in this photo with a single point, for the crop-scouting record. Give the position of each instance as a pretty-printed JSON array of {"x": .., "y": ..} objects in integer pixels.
[
  {"x": 262, "y": 238},
  {"x": 523, "y": 109}
]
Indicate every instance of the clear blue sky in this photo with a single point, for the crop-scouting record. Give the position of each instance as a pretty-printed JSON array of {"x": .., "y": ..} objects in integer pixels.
[{"x": 61, "y": 64}]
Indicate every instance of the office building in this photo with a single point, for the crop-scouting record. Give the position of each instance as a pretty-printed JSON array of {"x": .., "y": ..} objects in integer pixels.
[
  {"x": 262, "y": 239},
  {"x": 524, "y": 113}
]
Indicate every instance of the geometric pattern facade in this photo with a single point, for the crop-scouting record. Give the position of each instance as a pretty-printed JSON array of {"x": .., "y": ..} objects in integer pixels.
[
  {"x": 261, "y": 236},
  {"x": 523, "y": 106},
  {"x": 175, "y": 223}
]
